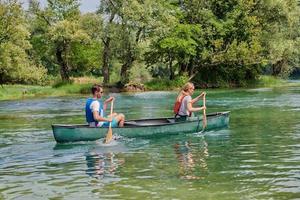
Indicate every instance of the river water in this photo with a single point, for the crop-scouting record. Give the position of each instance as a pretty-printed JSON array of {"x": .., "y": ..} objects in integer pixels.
[{"x": 256, "y": 157}]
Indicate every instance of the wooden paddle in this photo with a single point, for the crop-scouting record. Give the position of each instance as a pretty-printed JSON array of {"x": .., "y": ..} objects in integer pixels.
[
  {"x": 204, "y": 120},
  {"x": 109, "y": 134}
]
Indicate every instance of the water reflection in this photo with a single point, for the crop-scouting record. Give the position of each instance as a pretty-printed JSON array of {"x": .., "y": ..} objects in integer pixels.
[
  {"x": 101, "y": 165},
  {"x": 101, "y": 162},
  {"x": 191, "y": 163}
]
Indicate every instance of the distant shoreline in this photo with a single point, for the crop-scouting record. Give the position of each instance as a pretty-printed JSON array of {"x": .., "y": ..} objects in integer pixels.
[{"x": 15, "y": 92}]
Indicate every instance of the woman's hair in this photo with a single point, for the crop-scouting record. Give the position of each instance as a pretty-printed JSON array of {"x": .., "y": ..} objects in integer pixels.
[
  {"x": 96, "y": 88},
  {"x": 187, "y": 86}
]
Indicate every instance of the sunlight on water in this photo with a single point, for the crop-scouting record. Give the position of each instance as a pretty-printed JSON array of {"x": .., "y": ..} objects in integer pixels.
[{"x": 256, "y": 157}]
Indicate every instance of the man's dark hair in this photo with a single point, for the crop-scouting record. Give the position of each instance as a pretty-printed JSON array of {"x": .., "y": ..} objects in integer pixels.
[{"x": 96, "y": 88}]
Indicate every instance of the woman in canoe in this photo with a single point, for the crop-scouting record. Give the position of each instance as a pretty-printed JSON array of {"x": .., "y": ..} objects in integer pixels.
[
  {"x": 94, "y": 110},
  {"x": 183, "y": 107}
]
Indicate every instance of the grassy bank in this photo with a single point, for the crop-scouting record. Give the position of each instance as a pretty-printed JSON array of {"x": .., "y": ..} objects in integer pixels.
[
  {"x": 9, "y": 92},
  {"x": 269, "y": 81},
  {"x": 262, "y": 81}
]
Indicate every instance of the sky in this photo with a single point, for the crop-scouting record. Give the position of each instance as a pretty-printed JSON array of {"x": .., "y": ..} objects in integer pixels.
[{"x": 86, "y": 5}]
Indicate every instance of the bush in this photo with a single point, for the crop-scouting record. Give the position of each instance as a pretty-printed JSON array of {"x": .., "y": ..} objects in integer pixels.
[
  {"x": 139, "y": 74},
  {"x": 61, "y": 83},
  {"x": 166, "y": 84},
  {"x": 267, "y": 81}
]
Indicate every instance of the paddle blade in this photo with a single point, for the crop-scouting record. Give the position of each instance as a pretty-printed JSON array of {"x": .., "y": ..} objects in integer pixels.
[
  {"x": 204, "y": 122},
  {"x": 109, "y": 135}
]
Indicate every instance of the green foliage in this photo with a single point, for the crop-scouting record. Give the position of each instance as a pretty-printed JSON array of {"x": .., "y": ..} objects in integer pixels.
[
  {"x": 214, "y": 43},
  {"x": 269, "y": 81},
  {"x": 281, "y": 37},
  {"x": 57, "y": 32},
  {"x": 67, "y": 31},
  {"x": 61, "y": 83},
  {"x": 233, "y": 41},
  {"x": 8, "y": 92},
  {"x": 166, "y": 84},
  {"x": 15, "y": 64},
  {"x": 70, "y": 88},
  {"x": 139, "y": 73},
  {"x": 179, "y": 45},
  {"x": 60, "y": 10}
]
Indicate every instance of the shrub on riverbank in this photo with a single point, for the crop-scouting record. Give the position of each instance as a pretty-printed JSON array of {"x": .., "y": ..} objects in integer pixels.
[
  {"x": 166, "y": 84},
  {"x": 268, "y": 81}
]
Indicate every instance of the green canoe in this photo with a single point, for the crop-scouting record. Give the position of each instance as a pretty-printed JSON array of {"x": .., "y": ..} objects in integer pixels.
[{"x": 138, "y": 128}]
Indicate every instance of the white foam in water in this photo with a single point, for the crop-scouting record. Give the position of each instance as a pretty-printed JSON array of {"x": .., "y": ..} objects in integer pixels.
[
  {"x": 200, "y": 133},
  {"x": 113, "y": 142},
  {"x": 117, "y": 137}
]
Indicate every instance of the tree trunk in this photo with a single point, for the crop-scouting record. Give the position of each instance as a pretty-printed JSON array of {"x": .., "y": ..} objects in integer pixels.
[
  {"x": 125, "y": 68},
  {"x": 130, "y": 58},
  {"x": 106, "y": 52},
  {"x": 64, "y": 69},
  {"x": 182, "y": 68},
  {"x": 190, "y": 68},
  {"x": 172, "y": 75},
  {"x": 277, "y": 68},
  {"x": 106, "y": 56}
]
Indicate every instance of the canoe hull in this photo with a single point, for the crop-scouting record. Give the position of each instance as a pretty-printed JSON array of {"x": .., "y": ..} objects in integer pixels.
[{"x": 138, "y": 128}]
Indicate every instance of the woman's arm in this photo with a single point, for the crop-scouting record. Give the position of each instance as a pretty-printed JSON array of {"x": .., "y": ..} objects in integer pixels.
[
  {"x": 194, "y": 109},
  {"x": 198, "y": 97},
  {"x": 192, "y": 101}
]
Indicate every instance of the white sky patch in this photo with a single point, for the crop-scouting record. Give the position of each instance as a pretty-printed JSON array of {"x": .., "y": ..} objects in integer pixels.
[{"x": 85, "y": 7}]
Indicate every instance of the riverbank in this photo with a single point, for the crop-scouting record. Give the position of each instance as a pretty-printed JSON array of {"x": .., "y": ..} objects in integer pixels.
[{"x": 11, "y": 92}]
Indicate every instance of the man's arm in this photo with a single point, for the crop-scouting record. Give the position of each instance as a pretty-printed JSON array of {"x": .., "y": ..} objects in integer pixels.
[
  {"x": 110, "y": 99},
  {"x": 98, "y": 118},
  {"x": 95, "y": 109}
]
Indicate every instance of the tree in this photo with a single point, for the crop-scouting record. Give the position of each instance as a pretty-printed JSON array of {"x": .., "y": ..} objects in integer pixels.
[
  {"x": 218, "y": 40},
  {"x": 15, "y": 65},
  {"x": 86, "y": 58},
  {"x": 140, "y": 21},
  {"x": 282, "y": 34},
  {"x": 65, "y": 34},
  {"x": 58, "y": 26},
  {"x": 108, "y": 8},
  {"x": 179, "y": 46}
]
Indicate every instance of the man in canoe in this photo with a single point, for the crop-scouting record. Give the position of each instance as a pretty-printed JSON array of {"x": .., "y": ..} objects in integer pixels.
[
  {"x": 94, "y": 110},
  {"x": 183, "y": 107}
]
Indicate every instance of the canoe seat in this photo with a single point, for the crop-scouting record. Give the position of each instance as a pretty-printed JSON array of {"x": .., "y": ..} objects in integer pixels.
[
  {"x": 131, "y": 123},
  {"x": 148, "y": 122},
  {"x": 171, "y": 120}
]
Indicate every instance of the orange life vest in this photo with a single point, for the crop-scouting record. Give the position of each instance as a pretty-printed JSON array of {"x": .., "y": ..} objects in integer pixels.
[{"x": 178, "y": 104}]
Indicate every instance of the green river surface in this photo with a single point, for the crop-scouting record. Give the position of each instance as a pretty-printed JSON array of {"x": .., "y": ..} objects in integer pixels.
[{"x": 256, "y": 157}]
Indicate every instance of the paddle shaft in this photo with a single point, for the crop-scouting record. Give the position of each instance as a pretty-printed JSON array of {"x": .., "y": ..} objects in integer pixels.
[
  {"x": 204, "y": 121},
  {"x": 111, "y": 111},
  {"x": 204, "y": 113},
  {"x": 109, "y": 134}
]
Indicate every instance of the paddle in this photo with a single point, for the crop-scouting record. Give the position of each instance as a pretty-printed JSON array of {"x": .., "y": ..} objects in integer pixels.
[
  {"x": 109, "y": 134},
  {"x": 204, "y": 120}
]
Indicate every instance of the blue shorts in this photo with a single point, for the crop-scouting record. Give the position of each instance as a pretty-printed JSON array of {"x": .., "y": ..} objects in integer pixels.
[{"x": 114, "y": 123}]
